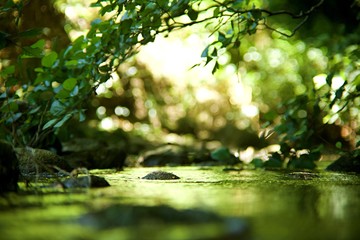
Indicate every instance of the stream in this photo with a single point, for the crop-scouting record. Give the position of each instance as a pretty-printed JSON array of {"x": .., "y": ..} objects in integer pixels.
[{"x": 272, "y": 205}]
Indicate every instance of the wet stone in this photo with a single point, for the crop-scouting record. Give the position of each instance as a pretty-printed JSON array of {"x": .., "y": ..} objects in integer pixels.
[
  {"x": 90, "y": 181},
  {"x": 160, "y": 175}
]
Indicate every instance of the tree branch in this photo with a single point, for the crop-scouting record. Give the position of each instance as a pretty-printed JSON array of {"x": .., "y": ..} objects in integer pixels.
[{"x": 304, "y": 15}]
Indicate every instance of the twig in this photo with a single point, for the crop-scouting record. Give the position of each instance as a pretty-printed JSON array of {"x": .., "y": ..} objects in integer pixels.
[{"x": 293, "y": 32}]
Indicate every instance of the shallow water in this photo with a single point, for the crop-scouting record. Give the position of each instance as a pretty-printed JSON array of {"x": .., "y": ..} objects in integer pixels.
[{"x": 277, "y": 205}]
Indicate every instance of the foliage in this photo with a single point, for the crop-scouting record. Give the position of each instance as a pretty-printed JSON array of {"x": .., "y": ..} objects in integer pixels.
[
  {"x": 64, "y": 80},
  {"x": 305, "y": 116},
  {"x": 32, "y": 108},
  {"x": 223, "y": 154}
]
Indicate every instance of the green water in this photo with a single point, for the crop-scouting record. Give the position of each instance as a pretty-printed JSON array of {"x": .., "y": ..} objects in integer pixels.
[{"x": 276, "y": 205}]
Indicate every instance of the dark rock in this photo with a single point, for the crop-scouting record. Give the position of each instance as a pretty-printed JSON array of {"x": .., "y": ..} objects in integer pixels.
[
  {"x": 167, "y": 155},
  {"x": 90, "y": 181},
  {"x": 97, "y": 159},
  {"x": 93, "y": 154},
  {"x": 33, "y": 160},
  {"x": 173, "y": 155},
  {"x": 160, "y": 175},
  {"x": 232, "y": 136},
  {"x": 9, "y": 168},
  {"x": 82, "y": 144},
  {"x": 347, "y": 163}
]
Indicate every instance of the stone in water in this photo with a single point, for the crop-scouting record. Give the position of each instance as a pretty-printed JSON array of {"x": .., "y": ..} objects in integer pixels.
[{"x": 160, "y": 175}]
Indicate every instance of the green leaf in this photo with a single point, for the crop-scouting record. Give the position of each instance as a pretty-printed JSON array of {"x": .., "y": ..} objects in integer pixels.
[
  {"x": 96, "y": 22},
  {"x": 82, "y": 116},
  {"x": 208, "y": 59},
  {"x": 75, "y": 91},
  {"x": 11, "y": 106},
  {"x": 49, "y": 124},
  {"x": 237, "y": 4},
  {"x": 256, "y": 13},
  {"x": 356, "y": 81},
  {"x": 13, "y": 118},
  {"x": 62, "y": 94},
  {"x": 205, "y": 52},
  {"x": 63, "y": 120},
  {"x": 329, "y": 78},
  {"x": 214, "y": 53},
  {"x": 7, "y": 71},
  {"x": 223, "y": 39},
  {"x": 39, "y": 44},
  {"x": 252, "y": 27},
  {"x": 49, "y": 59},
  {"x": 57, "y": 108},
  {"x": 216, "y": 12},
  {"x": 71, "y": 63},
  {"x": 223, "y": 154},
  {"x": 105, "y": 9},
  {"x": 125, "y": 26},
  {"x": 193, "y": 15},
  {"x": 96, "y": 4},
  {"x": 30, "y": 52},
  {"x": 216, "y": 67},
  {"x": 69, "y": 84},
  {"x": 31, "y": 33},
  {"x": 237, "y": 43},
  {"x": 40, "y": 78}
]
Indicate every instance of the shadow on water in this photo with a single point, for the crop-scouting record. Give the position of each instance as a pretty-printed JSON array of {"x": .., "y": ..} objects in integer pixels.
[{"x": 269, "y": 204}]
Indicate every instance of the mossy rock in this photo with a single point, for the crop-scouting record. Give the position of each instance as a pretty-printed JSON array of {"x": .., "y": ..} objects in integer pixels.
[
  {"x": 160, "y": 175},
  {"x": 33, "y": 160}
]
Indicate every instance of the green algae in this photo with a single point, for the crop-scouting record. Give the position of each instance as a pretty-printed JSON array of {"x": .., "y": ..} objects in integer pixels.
[{"x": 277, "y": 205}]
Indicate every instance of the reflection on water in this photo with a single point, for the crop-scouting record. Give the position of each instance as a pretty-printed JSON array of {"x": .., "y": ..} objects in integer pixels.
[{"x": 277, "y": 207}]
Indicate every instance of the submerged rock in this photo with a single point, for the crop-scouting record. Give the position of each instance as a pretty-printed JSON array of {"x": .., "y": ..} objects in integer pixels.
[
  {"x": 159, "y": 218},
  {"x": 9, "y": 168},
  {"x": 160, "y": 175}
]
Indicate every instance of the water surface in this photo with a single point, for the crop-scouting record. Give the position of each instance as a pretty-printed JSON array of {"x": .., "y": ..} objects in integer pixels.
[{"x": 277, "y": 205}]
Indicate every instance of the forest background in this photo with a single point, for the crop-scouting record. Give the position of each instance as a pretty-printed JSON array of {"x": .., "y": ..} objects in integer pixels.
[{"x": 208, "y": 70}]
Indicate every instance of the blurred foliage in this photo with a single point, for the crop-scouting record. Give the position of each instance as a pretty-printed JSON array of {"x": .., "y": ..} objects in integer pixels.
[{"x": 302, "y": 85}]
